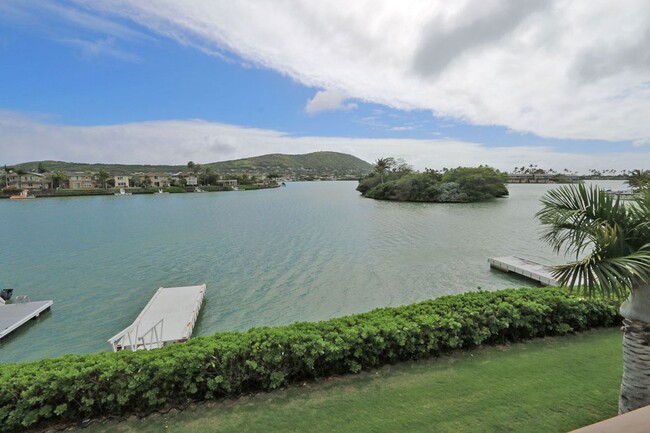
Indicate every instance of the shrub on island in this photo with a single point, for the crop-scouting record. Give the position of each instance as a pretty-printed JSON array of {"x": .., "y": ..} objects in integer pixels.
[
  {"x": 76, "y": 387},
  {"x": 458, "y": 185}
]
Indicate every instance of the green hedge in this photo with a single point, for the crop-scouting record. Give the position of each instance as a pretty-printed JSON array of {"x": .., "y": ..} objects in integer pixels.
[{"x": 74, "y": 387}]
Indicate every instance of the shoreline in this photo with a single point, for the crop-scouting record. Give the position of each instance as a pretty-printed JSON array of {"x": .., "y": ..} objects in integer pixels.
[{"x": 132, "y": 191}]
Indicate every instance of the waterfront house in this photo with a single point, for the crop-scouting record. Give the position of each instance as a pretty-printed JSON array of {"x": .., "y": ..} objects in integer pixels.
[
  {"x": 160, "y": 180},
  {"x": 191, "y": 180},
  {"x": 122, "y": 181},
  {"x": 227, "y": 182},
  {"x": 31, "y": 181},
  {"x": 81, "y": 181}
]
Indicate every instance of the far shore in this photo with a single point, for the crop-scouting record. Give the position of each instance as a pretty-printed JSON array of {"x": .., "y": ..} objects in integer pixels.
[{"x": 133, "y": 191}]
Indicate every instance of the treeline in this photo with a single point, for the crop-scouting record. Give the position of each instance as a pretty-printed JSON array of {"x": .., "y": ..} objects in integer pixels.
[{"x": 396, "y": 180}]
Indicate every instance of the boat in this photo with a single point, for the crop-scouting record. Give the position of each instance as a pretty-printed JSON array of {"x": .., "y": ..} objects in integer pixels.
[
  {"x": 197, "y": 189},
  {"x": 24, "y": 194},
  {"x": 5, "y": 295},
  {"x": 122, "y": 192},
  {"x": 160, "y": 191}
]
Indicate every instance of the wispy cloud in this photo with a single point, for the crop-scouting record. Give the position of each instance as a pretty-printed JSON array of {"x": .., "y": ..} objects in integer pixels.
[
  {"x": 640, "y": 143},
  {"x": 178, "y": 141},
  {"x": 101, "y": 47},
  {"x": 401, "y": 128},
  {"x": 92, "y": 34},
  {"x": 50, "y": 14}
]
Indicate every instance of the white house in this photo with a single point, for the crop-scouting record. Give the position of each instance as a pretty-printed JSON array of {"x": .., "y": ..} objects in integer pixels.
[{"x": 122, "y": 181}]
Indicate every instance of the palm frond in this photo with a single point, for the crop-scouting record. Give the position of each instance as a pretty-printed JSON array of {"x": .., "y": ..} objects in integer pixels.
[
  {"x": 613, "y": 277},
  {"x": 615, "y": 238},
  {"x": 574, "y": 214}
]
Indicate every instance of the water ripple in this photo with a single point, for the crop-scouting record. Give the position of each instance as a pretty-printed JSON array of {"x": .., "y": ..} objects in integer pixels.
[{"x": 309, "y": 251}]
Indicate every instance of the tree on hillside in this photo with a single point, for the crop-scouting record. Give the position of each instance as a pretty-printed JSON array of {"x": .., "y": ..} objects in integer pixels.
[
  {"x": 58, "y": 178},
  {"x": 146, "y": 181},
  {"x": 194, "y": 167},
  {"x": 207, "y": 176},
  {"x": 41, "y": 168},
  {"x": 5, "y": 174},
  {"x": 611, "y": 243},
  {"x": 102, "y": 177}
]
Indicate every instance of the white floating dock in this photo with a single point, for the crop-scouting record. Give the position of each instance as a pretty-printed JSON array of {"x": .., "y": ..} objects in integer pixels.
[
  {"x": 527, "y": 268},
  {"x": 168, "y": 318},
  {"x": 12, "y": 316}
]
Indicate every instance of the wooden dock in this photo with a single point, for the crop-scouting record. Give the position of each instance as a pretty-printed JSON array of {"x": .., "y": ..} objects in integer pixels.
[
  {"x": 13, "y": 316},
  {"x": 526, "y": 268},
  {"x": 168, "y": 318}
]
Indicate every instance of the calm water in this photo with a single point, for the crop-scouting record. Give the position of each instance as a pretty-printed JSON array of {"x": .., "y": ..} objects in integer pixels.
[{"x": 310, "y": 251}]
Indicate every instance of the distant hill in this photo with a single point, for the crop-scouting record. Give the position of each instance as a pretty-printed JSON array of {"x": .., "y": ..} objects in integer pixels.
[
  {"x": 310, "y": 163},
  {"x": 317, "y": 163}
]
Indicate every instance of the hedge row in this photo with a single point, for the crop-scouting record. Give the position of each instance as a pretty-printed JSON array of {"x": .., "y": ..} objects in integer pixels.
[{"x": 75, "y": 387}]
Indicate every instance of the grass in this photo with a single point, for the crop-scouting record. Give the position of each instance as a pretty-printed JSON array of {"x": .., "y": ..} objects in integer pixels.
[{"x": 547, "y": 385}]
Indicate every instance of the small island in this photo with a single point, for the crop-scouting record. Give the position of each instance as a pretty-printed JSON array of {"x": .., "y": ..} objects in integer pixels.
[{"x": 396, "y": 180}]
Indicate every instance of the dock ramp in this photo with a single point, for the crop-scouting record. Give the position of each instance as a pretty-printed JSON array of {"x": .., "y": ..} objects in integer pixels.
[
  {"x": 168, "y": 318},
  {"x": 526, "y": 268}
]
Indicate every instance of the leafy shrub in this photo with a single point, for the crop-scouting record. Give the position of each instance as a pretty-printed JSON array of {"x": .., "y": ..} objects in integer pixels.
[
  {"x": 226, "y": 364},
  {"x": 458, "y": 185},
  {"x": 11, "y": 190},
  {"x": 479, "y": 182}
]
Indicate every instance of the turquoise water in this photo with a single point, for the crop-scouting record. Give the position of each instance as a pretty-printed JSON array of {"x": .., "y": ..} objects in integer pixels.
[{"x": 310, "y": 251}]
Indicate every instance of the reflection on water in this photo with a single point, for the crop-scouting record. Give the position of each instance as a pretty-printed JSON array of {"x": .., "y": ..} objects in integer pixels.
[{"x": 310, "y": 251}]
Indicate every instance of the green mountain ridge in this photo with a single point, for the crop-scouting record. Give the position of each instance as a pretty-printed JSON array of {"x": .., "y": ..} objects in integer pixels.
[{"x": 316, "y": 163}]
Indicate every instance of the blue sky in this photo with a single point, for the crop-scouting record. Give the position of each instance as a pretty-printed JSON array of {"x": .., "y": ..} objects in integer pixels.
[{"x": 99, "y": 81}]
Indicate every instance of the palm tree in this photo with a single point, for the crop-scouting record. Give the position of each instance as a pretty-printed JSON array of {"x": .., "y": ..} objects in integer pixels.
[
  {"x": 103, "y": 177},
  {"x": 208, "y": 173},
  {"x": 638, "y": 179},
  {"x": 615, "y": 241},
  {"x": 382, "y": 165},
  {"x": 58, "y": 178}
]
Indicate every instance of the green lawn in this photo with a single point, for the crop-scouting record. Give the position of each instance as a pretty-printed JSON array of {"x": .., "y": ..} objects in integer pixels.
[{"x": 549, "y": 385}]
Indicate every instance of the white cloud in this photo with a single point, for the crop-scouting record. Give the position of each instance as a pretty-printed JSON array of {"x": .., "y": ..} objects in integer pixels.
[
  {"x": 178, "y": 141},
  {"x": 328, "y": 100},
  {"x": 555, "y": 68},
  {"x": 641, "y": 142},
  {"x": 101, "y": 47}
]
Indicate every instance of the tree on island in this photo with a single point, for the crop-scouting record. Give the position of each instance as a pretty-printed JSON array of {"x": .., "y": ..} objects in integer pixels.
[
  {"x": 382, "y": 165},
  {"x": 458, "y": 185},
  {"x": 616, "y": 240},
  {"x": 639, "y": 179}
]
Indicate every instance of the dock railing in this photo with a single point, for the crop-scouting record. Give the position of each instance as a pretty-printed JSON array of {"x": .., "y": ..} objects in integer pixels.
[
  {"x": 173, "y": 310},
  {"x": 131, "y": 339}
]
